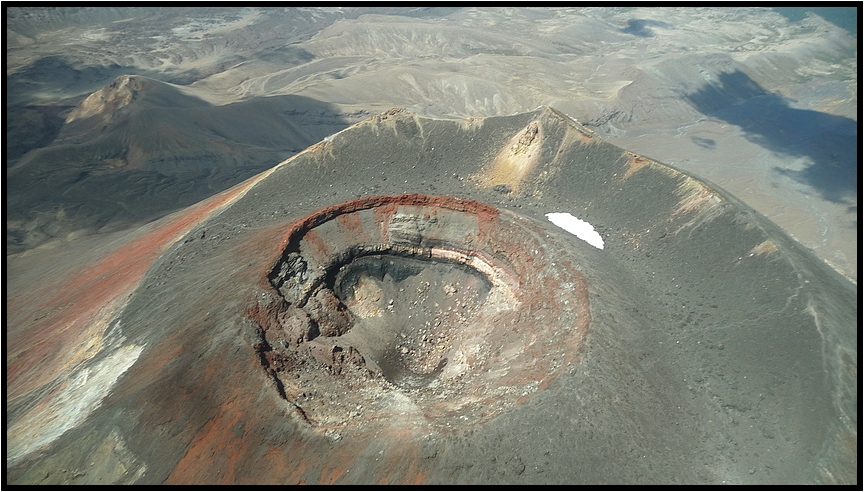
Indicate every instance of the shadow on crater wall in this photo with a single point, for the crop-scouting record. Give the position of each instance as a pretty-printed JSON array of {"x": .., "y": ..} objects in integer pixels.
[{"x": 828, "y": 141}]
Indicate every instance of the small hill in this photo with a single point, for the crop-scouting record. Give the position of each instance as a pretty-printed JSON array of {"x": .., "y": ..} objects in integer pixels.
[{"x": 139, "y": 148}]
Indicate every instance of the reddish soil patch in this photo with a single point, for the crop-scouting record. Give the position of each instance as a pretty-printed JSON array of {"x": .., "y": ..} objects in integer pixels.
[{"x": 41, "y": 349}]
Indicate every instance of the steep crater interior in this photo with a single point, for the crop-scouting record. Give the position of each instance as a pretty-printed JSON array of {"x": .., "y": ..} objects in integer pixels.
[
  {"x": 408, "y": 313},
  {"x": 433, "y": 309}
]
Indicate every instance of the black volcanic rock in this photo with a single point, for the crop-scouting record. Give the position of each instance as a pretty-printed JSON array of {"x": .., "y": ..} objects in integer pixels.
[{"x": 700, "y": 345}]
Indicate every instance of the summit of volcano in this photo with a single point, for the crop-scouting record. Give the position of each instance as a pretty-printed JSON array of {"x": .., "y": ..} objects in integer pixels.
[
  {"x": 419, "y": 315},
  {"x": 441, "y": 246}
]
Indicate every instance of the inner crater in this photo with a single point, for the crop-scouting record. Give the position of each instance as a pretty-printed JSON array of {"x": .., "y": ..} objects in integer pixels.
[
  {"x": 438, "y": 310},
  {"x": 409, "y": 314}
]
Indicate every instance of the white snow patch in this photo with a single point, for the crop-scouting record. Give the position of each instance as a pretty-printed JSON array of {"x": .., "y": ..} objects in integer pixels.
[{"x": 578, "y": 227}]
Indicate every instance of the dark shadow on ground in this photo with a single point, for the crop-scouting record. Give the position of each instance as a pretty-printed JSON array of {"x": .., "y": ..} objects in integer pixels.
[
  {"x": 429, "y": 12},
  {"x": 55, "y": 78},
  {"x": 154, "y": 159},
  {"x": 641, "y": 27},
  {"x": 828, "y": 141},
  {"x": 31, "y": 127},
  {"x": 845, "y": 17},
  {"x": 705, "y": 143}
]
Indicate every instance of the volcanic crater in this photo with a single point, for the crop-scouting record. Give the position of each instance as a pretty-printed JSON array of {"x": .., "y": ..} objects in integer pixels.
[
  {"x": 388, "y": 307},
  {"x": 431, "y": 308}
]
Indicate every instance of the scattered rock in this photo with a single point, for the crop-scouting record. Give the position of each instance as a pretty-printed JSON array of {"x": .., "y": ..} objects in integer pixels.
[
  {"x": 297, "y": 326},
  {"x": 328, "y": 312},
  {"x": 502, "y": 188}
]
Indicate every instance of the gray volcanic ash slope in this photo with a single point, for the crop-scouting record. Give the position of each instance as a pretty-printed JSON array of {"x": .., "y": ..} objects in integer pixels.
[
  {"x": 139, "y": 148},
  {"x": 393, "y": 306}
]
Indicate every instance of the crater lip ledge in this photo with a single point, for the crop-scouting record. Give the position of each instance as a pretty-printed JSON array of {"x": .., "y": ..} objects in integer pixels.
[{"x": 439, "y": 309}]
